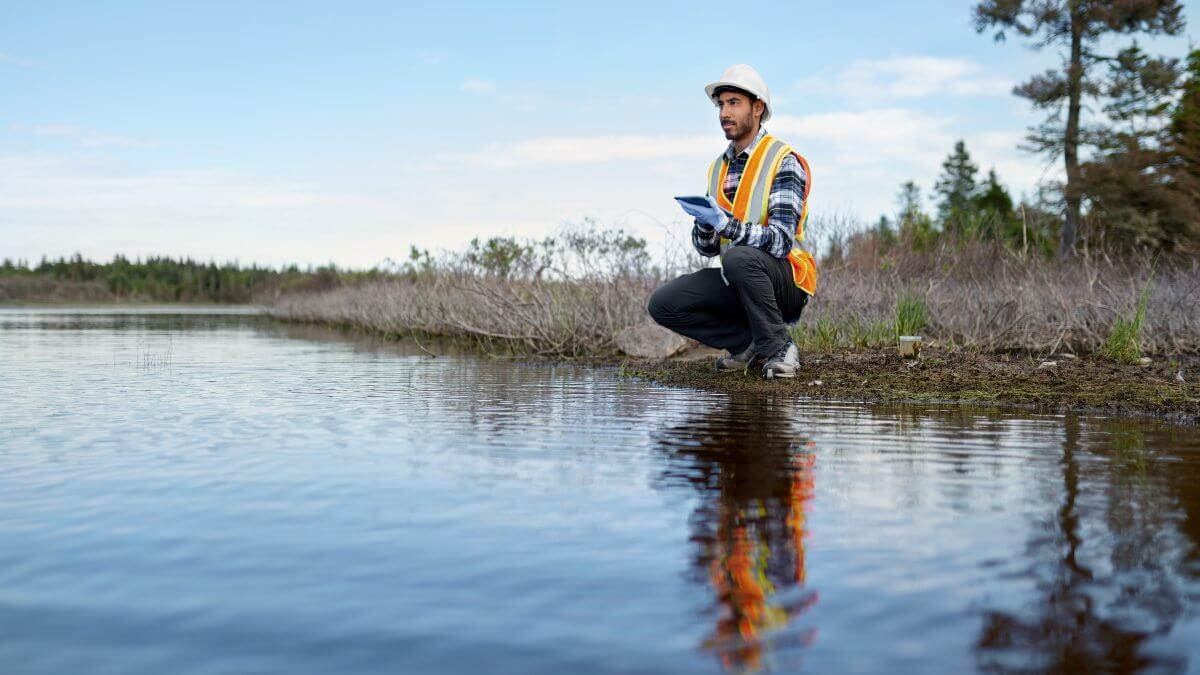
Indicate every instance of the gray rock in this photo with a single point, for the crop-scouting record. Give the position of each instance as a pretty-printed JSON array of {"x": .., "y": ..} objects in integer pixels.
[{"x": 650, "y": 341}]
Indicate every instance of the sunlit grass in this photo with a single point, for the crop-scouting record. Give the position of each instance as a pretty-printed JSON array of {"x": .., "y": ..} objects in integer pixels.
[{"x": 1124, "y": 343}]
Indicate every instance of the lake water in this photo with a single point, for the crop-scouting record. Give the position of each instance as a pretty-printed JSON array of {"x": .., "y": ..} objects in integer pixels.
[{"x": 201, "y": 493}]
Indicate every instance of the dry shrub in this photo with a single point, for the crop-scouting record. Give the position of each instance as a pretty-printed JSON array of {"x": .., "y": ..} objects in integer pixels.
[
  {"x": 983, "y": 295},
  {"x": 571, "y": 295},
  {"x": 567, "y": 296}
]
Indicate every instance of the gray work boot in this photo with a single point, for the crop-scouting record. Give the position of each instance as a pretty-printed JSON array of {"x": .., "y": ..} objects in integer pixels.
[
  {"x": 735, "y": 362},
  {"x": 784, "y": 363}
]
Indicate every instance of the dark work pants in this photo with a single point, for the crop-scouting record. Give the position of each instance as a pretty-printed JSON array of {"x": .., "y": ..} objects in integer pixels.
[{"x": 754, "y": 309}]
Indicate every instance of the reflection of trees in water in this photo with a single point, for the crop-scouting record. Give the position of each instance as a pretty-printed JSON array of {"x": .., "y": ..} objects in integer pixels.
[
  {"x": 754, "y": 477},
  {"x": 1110, "y": 565}
]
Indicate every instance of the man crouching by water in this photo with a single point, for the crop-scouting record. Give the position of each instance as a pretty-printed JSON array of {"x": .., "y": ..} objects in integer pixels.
[{"x": 753, "y": 218}]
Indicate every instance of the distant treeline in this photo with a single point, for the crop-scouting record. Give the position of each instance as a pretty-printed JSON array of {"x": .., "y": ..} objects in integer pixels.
[{"x": 160, "y": 279}]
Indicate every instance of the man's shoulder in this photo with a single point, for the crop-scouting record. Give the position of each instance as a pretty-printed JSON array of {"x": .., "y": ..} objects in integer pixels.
[
  {"x": 792, "y": 160},
  {"x": 792, "y": 155}
]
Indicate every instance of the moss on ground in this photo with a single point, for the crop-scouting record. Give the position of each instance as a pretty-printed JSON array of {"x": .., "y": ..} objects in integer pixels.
[{"x": 1087, "y": 384}]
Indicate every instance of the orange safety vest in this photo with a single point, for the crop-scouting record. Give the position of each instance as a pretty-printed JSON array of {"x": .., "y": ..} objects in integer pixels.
[{"x": 753, "y": 192}]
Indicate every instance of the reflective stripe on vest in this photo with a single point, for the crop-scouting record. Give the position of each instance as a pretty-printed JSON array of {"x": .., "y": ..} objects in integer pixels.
[{"x": 751, "y": 200}]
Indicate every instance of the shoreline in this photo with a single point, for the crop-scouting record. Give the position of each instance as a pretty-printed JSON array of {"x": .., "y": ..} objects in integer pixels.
[{"x": 1087, "y": 384}]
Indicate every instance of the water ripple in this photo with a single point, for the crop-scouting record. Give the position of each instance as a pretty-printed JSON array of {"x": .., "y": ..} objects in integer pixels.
[{"x": 207, "y": 493}]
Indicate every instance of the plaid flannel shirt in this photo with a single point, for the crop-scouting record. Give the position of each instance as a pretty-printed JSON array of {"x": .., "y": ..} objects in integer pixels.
[{"x": 784, "y": 205}]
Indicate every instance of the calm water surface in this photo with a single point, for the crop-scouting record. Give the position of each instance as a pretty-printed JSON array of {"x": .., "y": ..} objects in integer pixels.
[{"x": 193, "y": 493}]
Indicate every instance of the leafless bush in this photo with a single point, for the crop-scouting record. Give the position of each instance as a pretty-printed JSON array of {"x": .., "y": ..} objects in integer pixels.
[
  {"x": 568, "y": 295},
  {"x": 983, "y": 295},
  {"x": 572, "y": 294}
]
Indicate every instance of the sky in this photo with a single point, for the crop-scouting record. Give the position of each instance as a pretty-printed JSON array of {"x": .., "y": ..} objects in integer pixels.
[{"x": 306, "y": 132}]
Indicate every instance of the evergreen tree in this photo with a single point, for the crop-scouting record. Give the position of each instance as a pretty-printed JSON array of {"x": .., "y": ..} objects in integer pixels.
[
  {"x": 993, "y": 197},
  {"x": 956, "y": 188},
  {"x": 1081, "y": 28},
  {"x": 1183, "y": 149},
  {"x": 884, "y": 233},
  {"x": 994, "y": 209},
  {"x": 915, "y": 226},
  {"x": 1127, "y": 182}
]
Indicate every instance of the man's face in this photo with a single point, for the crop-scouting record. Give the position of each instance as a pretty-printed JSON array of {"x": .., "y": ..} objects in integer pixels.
[{"x": 737, "y": 114}]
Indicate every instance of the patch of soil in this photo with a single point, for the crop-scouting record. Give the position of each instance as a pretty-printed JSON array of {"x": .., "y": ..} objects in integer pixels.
[{"x": 1090, "y": 384}]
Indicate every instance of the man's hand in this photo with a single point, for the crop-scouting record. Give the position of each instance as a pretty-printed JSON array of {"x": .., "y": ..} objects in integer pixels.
[{"x": 712, "y": 216}]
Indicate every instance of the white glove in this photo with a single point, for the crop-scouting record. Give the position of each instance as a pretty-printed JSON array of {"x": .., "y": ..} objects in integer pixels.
[{"x": 711, "y": 217}]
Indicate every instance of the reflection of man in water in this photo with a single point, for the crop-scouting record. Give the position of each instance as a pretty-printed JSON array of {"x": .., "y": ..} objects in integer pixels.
[{"x": 749, "y": 529}]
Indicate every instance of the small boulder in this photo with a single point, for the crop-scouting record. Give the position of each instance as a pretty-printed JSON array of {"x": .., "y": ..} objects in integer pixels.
[{"x": 650, "y": 341}]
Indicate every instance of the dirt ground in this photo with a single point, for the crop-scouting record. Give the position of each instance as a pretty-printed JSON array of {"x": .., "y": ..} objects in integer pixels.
[{"x": 1089, "y": 384}]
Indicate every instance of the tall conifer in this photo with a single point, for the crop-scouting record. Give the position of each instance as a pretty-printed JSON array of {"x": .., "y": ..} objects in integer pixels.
[
  {"x": 1081, "y": 28},
  {"x": 957, "y": 187}
]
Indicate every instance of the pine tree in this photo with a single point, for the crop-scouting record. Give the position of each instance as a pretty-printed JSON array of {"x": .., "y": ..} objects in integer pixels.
[
  {"x": 994, "y": 211},
  {"x": 957, "y": 189},
  {"x": 1127, "y": 181},
  {"x": 1183, "y": 145},
  {"x": 1081, "y": 28},
  {"x": 914, "y": 224},
  {"x": 993, "y": 197}
]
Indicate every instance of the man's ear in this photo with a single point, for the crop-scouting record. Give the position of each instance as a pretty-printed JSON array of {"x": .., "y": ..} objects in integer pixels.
[{"x": 760, "y": 108}]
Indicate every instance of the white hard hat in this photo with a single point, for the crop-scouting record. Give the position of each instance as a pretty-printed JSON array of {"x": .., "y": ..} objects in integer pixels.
[{"x": 744, "y": 77}]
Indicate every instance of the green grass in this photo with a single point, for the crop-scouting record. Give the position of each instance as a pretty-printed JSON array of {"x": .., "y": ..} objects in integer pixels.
[
  {"x": 911, "y": 314},
  {"x": 825, "y": 334},
  {"x": 1125, "y": 340}
]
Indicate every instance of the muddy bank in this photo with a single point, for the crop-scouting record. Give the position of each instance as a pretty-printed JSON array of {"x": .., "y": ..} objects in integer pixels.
[{"x": 1088, "y": 384}]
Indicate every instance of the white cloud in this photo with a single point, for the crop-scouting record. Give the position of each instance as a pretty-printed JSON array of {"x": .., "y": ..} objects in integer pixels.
[
  {"x": 477, "y": 85},
  {"x": 17, "y": 61},
  {"x": 560, "y": 150},
  {"x": 867, "y": 136},
  {"x": 85, "y": 137},
  {"x": 858, "y": 157},
  {"x": 48, "y": 202},
  {"x": 859, "y": 136},
  {"x": 93, "y": 202},
  {"x": 908, "y": 77}
]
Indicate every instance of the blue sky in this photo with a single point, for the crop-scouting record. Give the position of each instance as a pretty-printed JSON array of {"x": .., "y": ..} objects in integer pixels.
[{"x": 346, "y": 132}]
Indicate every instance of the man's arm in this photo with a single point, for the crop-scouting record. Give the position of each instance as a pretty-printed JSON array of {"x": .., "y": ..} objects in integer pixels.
[
  {"x": 784, "y": 206},
  {"x": 706, "y": 240}
]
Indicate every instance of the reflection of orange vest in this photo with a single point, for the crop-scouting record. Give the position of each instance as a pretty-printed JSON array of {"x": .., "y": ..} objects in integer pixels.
[{"x": 753, "y": 193}]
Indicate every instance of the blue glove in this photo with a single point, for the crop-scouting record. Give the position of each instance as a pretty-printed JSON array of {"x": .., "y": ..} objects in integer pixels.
[{"x": 711, "y": 216}]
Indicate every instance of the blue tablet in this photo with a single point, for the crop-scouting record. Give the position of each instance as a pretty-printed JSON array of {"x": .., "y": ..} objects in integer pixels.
[{"x": 700, "y": 201}]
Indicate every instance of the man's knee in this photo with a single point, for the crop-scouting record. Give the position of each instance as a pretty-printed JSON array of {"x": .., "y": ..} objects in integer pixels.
[
  {"x": 659, "y": 306},
  {"x": 740, "y": 259}
]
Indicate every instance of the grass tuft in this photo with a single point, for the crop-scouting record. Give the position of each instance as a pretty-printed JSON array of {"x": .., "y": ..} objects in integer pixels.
[
  {"x": 825, "y": 334},
  {"x": 1124, "y": 343},
  {"x": 911, "y": 314}
]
